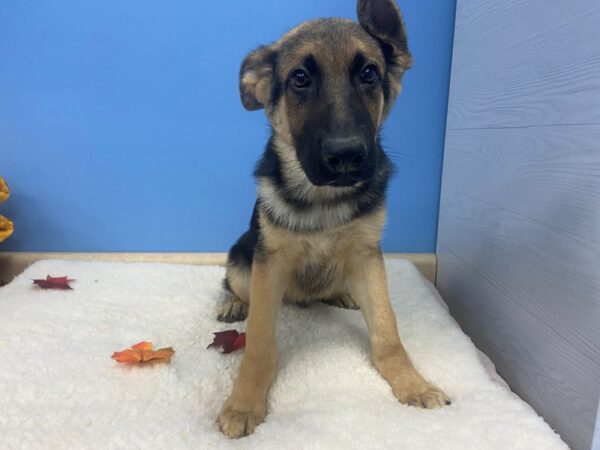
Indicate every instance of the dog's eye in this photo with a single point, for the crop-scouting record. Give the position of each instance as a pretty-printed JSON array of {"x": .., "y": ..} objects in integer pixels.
[
  {"x": 368, "y": 75},
  {"x": 300, "y": 79}
]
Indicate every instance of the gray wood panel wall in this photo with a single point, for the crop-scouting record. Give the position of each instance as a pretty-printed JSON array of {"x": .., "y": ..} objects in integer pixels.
[
  {"x": 596, "y": 442},
  {"x": 519, "y": 232}
]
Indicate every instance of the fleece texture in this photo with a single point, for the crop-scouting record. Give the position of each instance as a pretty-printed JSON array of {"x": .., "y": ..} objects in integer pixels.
[{"x": 59, "y": 388}]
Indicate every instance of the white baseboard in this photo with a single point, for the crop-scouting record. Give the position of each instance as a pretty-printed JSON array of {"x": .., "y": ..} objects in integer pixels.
[{"x": 13, "y": 263}]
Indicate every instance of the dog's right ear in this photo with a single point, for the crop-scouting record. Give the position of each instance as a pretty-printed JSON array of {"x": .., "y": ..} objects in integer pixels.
[{"x": 256, "y": 77}]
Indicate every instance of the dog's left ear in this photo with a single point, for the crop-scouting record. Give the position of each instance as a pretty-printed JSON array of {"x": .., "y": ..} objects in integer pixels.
[
  {"x": 256, "y": 76},
  {"x": 382, "y": 20}
]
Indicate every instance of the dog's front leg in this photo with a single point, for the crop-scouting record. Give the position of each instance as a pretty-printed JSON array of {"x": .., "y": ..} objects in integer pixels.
[
  {"x": 246, "y": 407},
  {"x": 368, "y": 287}
]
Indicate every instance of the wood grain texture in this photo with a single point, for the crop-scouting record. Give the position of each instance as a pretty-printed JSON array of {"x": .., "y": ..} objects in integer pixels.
[
  {"x": 519, "y": 231},
  {"x": 596, "y": 442},
  {"x": 524, "y": 63},
  {"x": 555, "y": 274},
  {"x": 531, "y": 355},
  {"x": 549, "y": 174}
]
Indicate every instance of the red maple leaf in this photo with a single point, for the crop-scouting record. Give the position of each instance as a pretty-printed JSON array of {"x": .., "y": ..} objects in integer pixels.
[
  {"x": 54, "y": 283},
  {"x": 230, "y": 340}
]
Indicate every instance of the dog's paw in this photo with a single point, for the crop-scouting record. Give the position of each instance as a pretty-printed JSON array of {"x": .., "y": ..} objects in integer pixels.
[
  {"x": 234, "y": 310},
  {"x": 424, "y": 396},
  {"x": 236, "y": 423}
]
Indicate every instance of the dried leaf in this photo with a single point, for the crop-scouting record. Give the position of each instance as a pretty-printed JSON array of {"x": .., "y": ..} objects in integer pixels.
[
  {"x": 129, "y": 356},
  {"x": 142, "y": 352},
  {"x": 230, "y": 340},
  {"x": 4, "y": 191},
  {"x": 6, "y": 228},
  {"x": 162, "y": 354},
  {"x": 54, "y": 283},
  {"x": 141, "y": 346}
]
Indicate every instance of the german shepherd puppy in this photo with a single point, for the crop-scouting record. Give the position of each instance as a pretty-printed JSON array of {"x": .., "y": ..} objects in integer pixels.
[{"x": 326, "y": 87}]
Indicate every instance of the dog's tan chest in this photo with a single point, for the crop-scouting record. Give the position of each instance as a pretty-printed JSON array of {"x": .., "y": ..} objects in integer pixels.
[{"x": 319, "y": 262}]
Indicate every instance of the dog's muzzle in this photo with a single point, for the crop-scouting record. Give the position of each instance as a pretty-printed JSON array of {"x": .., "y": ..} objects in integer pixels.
[{"x": 344, "y": 160}]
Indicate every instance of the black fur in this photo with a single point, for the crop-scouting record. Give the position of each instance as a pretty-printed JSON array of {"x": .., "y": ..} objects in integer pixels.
[
  {"x": 241, "y": 253},
  {"x": 283, "y": 203},
  {"x": 364, "y": 199}
]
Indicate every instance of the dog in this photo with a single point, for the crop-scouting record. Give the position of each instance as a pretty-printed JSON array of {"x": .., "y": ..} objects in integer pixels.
[{"x": 326, "y": 87}]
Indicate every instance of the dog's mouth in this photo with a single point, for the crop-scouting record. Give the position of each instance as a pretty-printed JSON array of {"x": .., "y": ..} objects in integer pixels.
[
  {"x": 322, "y": 177},
  {"x": 343, "y": 169},
  {"x": 346, "y": 180}
]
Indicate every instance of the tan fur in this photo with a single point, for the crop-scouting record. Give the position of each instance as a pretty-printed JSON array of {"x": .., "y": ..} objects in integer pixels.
[
  {"x": 334, "y": 60},
  {"x": 368, "y": 287},
  {"x": 285, "y": 115},
  {"x": 353, "y": 251},
  {"x": 247, "y": 405},
  {"x": 292, "y": 170},
  {"x": 336, "y": 249},
  {"x": 255, "y": 79},
  {"x": 342, "y": 264},
  {"x": 239, "y": 281}
]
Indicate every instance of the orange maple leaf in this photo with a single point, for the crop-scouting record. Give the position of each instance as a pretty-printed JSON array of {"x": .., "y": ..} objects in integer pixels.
[{"x": 142, "y": 352}]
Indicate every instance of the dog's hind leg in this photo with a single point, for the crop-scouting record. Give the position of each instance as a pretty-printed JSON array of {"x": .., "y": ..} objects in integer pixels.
[
  {"x": 237, "y": 284},
  {"x": 234, "y": 310},
  {"x": 239, "y": 270}
]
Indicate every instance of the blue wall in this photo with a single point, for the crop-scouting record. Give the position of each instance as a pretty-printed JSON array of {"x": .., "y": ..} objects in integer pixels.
[{"x": 121, "y": 127}]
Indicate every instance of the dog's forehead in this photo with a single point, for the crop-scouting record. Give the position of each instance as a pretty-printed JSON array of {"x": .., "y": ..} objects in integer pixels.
[{"x": 333, "y": 43}]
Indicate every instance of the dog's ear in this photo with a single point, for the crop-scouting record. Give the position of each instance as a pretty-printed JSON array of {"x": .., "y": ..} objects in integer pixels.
[
  {"x": 256, "y": 77},
  {"x": 382, "y": 20}
]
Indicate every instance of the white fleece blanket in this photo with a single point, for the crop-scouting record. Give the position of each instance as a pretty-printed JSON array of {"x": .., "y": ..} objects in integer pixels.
[{"x": 59, "y": 388}]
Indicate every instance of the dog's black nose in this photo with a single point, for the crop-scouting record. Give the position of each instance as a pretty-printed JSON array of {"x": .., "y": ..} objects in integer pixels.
[{"x": 343, "y": 155}]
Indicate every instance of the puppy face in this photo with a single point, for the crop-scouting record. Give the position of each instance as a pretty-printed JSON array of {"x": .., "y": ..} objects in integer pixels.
[{"x": 327, "y": 85}]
